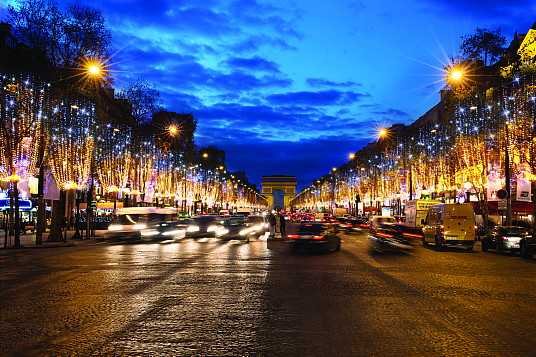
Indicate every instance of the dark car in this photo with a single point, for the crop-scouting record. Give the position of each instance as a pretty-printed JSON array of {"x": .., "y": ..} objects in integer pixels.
[
  {"x": 316, "y": 235},
  {"x": 237, "y": 228},
  {"x": 355, "y": 225},
  {"x": 166, "y": 230},
  {"x": 503, "y": 238},
  {"x": 258, "y": 223},
  {"x": 203, "y": 226},
  {"x": 527, "y": 246},
  {"x": 389, "y": 236}
]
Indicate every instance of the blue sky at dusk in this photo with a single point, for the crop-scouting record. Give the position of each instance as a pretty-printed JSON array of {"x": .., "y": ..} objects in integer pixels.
[{"x": 293, "y": 87}]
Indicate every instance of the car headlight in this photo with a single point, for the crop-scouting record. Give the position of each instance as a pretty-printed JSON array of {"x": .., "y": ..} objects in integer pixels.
[
  {"x": 193, "y": 229},
  {"x": 139, "y": 226},
  {"x": 149, "y": 232},
  {"x": 221, "y": 232},
  {"x": 212, "y": 228},
  {"x": 115, "y": 227},
  {"x": 245, "y": 232}
]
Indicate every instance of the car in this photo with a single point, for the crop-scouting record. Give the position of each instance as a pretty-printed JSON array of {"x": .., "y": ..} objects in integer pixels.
[
  {"x": 504, "y": 238},
  {"x": 375, "y": 221},
  {"x": 259, "y": 223},
  {"x": 389, "y": 236},
  {"x": 356, "y": 225},
  {"x": 527, "y": 246},
  {"x": 237, "y": 228},
  {"x": 316, "y": 235},
  {"x": 147, "y": 223},
  {"x": 203, "y": 226}
]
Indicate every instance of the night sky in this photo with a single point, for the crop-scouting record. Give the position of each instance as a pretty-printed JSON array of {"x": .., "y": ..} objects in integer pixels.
[{"x": 293, "y": 87}]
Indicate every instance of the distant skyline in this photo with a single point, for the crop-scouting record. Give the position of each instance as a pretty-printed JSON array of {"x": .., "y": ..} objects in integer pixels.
[{"x": 293, "y": 87}]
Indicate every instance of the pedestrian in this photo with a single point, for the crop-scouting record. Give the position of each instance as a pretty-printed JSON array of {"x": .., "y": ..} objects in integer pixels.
[
  {"x": 282, "y": 227},
  {"x": 272, "y": 221}
]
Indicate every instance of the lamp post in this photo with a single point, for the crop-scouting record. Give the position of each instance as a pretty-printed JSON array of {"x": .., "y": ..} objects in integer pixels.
[{"x": 95, "y": 73}]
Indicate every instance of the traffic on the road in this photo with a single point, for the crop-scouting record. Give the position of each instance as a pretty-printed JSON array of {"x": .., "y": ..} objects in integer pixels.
[{"x": 310, "y": 285}]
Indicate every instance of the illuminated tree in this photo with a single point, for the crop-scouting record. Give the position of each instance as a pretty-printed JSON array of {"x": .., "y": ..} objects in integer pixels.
[{"x": 21, "y": 117}]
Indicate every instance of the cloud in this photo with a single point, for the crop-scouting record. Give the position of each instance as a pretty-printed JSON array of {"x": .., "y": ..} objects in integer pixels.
[
  {"x": 322, "y": 82},
  {"x": 253, "y": 64},
  {"x": 321, "y": 98}
]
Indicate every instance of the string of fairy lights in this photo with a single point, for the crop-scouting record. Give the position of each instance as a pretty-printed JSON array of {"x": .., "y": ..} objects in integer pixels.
[
  {"x": 450, "y": 154},
  {"x": 82, "y": 152}
]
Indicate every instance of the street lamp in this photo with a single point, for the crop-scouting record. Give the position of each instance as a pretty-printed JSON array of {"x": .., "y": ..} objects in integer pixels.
[{"x": 94, "y": 71}]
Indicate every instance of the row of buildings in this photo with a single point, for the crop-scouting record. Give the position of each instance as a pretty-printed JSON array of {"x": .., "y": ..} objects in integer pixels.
[
  {"x": 69, "y": 143},
  {"x": 478, "y": 145}
]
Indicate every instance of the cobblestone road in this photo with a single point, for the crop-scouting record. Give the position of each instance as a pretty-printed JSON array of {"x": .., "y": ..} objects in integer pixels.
[{"x": 207, "y": 298}]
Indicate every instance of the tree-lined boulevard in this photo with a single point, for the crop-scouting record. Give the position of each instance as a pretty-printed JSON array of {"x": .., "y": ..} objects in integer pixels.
[{"x": 204, "y": 297}]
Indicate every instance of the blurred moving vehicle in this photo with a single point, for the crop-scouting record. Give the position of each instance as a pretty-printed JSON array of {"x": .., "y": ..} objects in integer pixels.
[
  {"x": 375, "y": 221},
  {"x": 259, "y": 223},
  {"x": 450, "y": 224},
  {"x": 143, "y": 223},
  {"x": 389, "y": 236},
  {"x": 316, "y": 235},
  {"x": 203, "y": 226},
  {"x": 527, "y": 246},
  {"x": 503, "y": 238},
  {"x": 355, "y": 225},
  {"x": 237, "y": 228}
]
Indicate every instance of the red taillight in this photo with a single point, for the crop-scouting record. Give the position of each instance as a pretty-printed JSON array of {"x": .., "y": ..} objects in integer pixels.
[
  {"x": 385, "y": 235},
  {"x": 363, "y": 225},
  {"x": 349, "y": 225},
  {"x": 504, "y": 238},
  {"x": 292, "y": 236},
  {"x": 412, "y": 235},
  {"x": 318, "y": 237}
]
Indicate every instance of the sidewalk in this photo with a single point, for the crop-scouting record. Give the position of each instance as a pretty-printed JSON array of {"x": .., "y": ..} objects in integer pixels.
[{"x": 28, "y": 240}]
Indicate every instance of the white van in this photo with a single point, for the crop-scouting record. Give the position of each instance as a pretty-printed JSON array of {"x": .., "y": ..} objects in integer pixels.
[{"x": 449, "y": 224}]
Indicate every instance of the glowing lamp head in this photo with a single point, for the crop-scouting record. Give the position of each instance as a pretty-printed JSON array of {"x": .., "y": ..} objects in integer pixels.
[
  {"x": 173, "y": 130},
  {"x": 94, "y": 70},
  {"x": 382, "y": 133},
  {"x": 456, "y": 75}
]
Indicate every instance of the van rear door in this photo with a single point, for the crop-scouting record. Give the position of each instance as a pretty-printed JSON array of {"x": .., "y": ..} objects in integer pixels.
[{"x": 459, "y": 222}]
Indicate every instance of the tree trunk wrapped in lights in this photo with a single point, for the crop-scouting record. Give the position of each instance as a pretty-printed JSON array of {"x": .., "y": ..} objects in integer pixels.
[
  {"x": 70, "y": 149},
  {"x": 21, "y": 118},
  {"x": 113, "y": 156},
  {"x": 142, "y": 167}
]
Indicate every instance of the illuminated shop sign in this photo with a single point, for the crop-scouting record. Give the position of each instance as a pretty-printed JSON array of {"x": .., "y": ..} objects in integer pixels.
[{"x": 24, "y": 205}]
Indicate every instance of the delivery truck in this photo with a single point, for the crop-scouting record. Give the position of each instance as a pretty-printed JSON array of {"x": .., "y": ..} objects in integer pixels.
[{"x": 416, "y": 211}]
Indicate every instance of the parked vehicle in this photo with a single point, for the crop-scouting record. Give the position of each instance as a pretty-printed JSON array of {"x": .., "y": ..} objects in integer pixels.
[
  {"x": 203, "y": 226},
  {"x": 416, "y": 211},
  {"x": 450, "y": 224},
  {"x": 503, "y": 238},
  {"x": 527, "y": 246},
  {"x": 316, "y": 235},
  {"x": 388, "y": 236}
]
